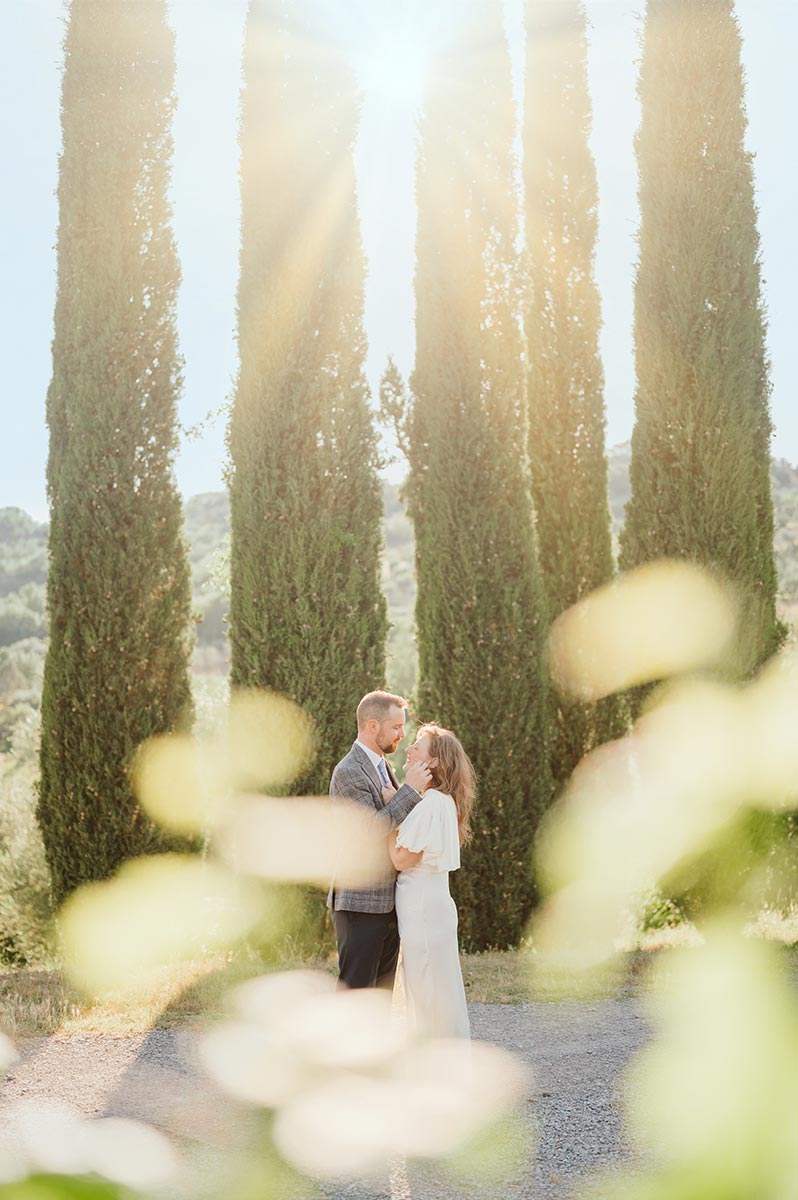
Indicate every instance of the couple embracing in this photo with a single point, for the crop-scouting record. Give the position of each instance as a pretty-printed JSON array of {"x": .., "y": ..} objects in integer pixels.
[{"x": 425, "y": 820}]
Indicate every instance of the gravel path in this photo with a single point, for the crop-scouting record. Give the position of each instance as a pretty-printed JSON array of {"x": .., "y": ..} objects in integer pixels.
[{"x": 576, "y": 1052}]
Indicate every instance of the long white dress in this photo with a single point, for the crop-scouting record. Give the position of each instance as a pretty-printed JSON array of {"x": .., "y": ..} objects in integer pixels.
[{"x": 428, "y": 919}]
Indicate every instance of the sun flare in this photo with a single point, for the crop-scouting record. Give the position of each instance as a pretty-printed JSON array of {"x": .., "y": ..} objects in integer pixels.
[{"x": 392, "y": 64}]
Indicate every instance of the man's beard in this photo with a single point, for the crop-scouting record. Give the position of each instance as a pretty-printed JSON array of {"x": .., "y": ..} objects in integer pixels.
[{"x": 388, "y": 745}]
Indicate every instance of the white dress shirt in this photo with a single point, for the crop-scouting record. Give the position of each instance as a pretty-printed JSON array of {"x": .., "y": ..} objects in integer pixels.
[{"x": 374, "y": 758}]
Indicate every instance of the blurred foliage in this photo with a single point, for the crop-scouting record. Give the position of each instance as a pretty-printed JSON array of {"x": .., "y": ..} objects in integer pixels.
[
  {"x": 320, "y": 1083},
  {"x": 658, "y": 911},
  {"x": 692, "y": 804}
]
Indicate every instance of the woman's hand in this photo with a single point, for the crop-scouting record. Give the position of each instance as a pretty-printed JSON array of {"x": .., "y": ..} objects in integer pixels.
[
  {"x": 418, "y": 776},
  {"x": 388, "y": 793}
]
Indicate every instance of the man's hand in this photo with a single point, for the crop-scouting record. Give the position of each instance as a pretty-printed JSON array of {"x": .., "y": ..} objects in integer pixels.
[{"x": 418, "y": 776}]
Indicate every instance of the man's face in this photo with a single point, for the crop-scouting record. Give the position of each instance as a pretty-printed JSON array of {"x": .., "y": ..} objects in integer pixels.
[{"x": 392, "y": 730}]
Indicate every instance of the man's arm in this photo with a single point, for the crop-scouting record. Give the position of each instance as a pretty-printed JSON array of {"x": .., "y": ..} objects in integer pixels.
[
  {"x": 350, "y": 785},
  {"x": 400, "y": 804}
]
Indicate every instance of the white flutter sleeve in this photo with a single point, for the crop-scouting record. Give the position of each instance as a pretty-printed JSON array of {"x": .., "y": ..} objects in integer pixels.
[{"x": 432, "y": 828}]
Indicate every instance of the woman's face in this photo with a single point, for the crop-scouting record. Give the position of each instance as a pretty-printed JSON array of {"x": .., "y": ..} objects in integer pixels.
[{"x": 420, "y": 750}]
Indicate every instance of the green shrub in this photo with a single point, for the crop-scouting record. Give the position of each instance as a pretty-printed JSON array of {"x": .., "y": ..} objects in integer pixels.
[
  {"x": 657, "y": 911},
  {"x": 25, "y": 907}
]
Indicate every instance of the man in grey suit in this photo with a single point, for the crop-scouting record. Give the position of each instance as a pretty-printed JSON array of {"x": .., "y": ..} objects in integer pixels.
[{"x": 364, "y": 920}]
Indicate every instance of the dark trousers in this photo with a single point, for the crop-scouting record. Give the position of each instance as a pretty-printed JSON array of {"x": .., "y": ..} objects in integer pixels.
[{"x": 368, "y": 947}]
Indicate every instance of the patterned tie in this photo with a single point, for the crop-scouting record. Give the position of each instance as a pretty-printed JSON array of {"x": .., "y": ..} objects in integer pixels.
[{"x": 382, "y": 771}]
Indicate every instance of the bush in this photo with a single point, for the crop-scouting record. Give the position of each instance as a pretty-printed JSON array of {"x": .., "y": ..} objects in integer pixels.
[
  {"x": 212, "y": 629},
  {"x": 23, "y": 615},
  {"x": 657, "y": 911},
  {"x": 21, "y": 667},
  {"x": 25, "y": 906}
]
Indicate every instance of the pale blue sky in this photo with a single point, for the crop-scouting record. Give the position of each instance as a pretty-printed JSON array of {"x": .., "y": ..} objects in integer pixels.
[{"x": 209, "y": 36}]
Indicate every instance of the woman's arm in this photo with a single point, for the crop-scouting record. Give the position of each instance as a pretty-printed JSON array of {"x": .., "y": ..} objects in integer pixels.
[{"x": 402, "y": 859}]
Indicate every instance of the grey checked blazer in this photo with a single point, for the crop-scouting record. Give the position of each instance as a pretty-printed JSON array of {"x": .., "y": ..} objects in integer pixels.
[{"x": 356, "y": 779}]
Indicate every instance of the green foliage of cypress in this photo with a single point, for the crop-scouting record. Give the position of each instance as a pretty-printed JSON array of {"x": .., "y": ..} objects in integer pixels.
[
  {"x": 700, "y": 449},
  {"x": 118, "y": 588},
  {"x": 565, "y": 380},
  {"x": 480, "y": 612},
  {"x": 307, "y": 616}
]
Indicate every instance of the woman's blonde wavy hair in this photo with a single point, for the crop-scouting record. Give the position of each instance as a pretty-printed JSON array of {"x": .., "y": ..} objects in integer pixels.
[{"x": 452, "y": 774}]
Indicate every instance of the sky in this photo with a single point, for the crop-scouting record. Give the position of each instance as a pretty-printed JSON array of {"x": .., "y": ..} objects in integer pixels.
[{"x": 209, "y": 37}]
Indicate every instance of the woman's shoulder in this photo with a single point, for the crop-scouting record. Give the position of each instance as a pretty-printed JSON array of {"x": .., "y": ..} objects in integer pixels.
[
  {"x": 437, "y": 797},
  {"x": 438, "y": 804}
]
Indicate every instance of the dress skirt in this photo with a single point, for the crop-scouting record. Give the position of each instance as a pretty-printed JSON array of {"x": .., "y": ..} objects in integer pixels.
[{"x": 433, "y": 979}]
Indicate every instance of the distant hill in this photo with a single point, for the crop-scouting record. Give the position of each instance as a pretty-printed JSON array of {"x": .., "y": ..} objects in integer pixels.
[
  {"x": 784, "y": 483},
  {"x": 23, "y": 575},
  {"x": 618, "y": 462},
  {"x": 23, "y": 571},
  {"x": 23, "y": 551},
  {"x": 207, "y": 525}
]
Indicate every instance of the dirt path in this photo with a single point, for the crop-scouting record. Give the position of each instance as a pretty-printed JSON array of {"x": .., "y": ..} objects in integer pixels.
[{"x": 576, "y": 1052}]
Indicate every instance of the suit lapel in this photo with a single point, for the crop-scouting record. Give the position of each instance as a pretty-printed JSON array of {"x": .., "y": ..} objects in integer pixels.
[
  {"x": 392, "y": 775},
  {"x": 367, "y": 765}
]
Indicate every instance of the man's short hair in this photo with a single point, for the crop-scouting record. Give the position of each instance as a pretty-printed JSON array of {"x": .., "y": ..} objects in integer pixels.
[{"x": 376, "y": 706}]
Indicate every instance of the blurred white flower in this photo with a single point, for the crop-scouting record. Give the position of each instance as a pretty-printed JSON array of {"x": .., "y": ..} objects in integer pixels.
[
  {"x": 651, "y": 623},
  {"x": 51, "y": 1137},
  {"x": 303, "y": 839},
  {"x": 154, "y": 912},
  {"x": 351, "y": 1086},
  {"x": 130, "y": 1153}
]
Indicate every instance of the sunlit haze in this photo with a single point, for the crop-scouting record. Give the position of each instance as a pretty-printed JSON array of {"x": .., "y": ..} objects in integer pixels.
[{"x": 390, "y": 47}]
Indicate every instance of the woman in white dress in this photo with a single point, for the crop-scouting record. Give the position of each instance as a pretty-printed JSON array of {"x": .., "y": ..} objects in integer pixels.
[{"x": 424, "y": 849}]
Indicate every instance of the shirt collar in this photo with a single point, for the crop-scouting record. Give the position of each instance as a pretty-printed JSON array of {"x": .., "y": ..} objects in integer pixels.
[{"x": 375, "y": 758}]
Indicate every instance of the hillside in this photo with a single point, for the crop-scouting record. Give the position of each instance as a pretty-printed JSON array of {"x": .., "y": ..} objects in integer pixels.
[
  {"x": 784, "y": 483},
  {"x": 23, "y": 569}
]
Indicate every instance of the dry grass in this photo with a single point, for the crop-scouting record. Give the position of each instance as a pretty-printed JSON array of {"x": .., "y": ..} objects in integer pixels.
[
  {"x": 40, "y": 1003},
  {"x": 776, "y": 926},
  {"x": 669, "y": 937},
  {"x": 497, "y": 977},
  {"x": 36, "y": 1003}
]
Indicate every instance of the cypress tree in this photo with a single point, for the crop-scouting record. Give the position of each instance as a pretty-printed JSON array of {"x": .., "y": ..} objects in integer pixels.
[
  {"x": 700, "y": 448},
  {"x": 118, "y": 588},
  {"x": 307, "y": 616},
  {"x": 480, "y": 612},
  {"x": 565, "y": 378}
]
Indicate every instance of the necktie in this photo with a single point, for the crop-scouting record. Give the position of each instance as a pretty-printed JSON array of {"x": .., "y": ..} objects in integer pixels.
[{"x": 382, "y": 771}]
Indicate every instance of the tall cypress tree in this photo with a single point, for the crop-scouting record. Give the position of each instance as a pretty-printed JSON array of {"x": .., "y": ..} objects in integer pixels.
[
  {"x": 480, "y": 612},
  {"x": 118, "y": 589},
  {"x": 700, "y": 448},
  {"x": 565, "y": 378},
  {"x": 307, "y": 615}
]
